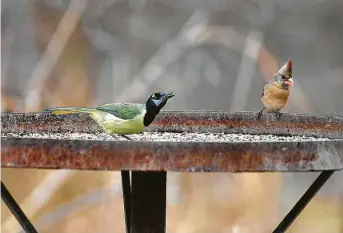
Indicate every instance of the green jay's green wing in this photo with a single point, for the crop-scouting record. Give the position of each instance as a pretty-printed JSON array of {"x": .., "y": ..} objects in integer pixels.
[{"x": 125, "y": 111}]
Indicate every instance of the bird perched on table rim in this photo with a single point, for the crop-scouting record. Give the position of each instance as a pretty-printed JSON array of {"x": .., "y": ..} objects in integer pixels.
[
  {"x": 122, "y": 118},
  {"x": 275, "y": 93}
]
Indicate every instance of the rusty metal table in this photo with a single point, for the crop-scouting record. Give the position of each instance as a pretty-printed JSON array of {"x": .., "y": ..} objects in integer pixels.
[{"x": 149, "y": 161}]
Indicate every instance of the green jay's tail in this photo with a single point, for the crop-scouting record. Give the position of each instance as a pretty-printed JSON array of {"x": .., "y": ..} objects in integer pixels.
[{"x": 65, "y": 110}]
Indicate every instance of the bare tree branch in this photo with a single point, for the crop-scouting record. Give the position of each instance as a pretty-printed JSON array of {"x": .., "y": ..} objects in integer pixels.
[
  {"x": 168, "y": 53},
  {"x": 53, "y": 51}
]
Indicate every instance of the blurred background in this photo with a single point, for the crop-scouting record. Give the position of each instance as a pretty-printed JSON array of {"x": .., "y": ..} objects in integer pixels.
[{"x": 216, "y": 55}]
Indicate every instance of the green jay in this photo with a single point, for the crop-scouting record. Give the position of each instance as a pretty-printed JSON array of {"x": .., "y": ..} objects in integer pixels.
[{"x": 122, "y": 118}]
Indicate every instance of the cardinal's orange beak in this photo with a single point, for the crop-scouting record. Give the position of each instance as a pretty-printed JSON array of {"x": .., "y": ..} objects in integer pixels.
[{"x": 289, "y": 82}]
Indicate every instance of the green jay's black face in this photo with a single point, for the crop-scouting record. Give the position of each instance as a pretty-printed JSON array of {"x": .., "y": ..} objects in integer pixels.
[
  {"x": 159, "y": 99},
  {"x": 154, "y": 104}
]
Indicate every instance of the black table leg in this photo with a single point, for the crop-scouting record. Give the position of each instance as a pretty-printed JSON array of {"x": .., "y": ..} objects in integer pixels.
[
  {"x": 148, "y": 202},
  {"x": 16, "y": 211},
  {"x": 303, "y": 201},
  {"x": 126, "y": 186}
]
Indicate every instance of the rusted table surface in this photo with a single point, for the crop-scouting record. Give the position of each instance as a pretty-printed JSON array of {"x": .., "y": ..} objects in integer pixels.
[
  {"x": 177, "y": 141},
  {"x": 325, "y": 153}
]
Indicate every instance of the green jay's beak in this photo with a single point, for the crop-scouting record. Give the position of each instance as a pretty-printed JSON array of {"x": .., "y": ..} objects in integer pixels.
[
  {"x": 166, "y": 96},
  {"x": 170, "y": 94}
]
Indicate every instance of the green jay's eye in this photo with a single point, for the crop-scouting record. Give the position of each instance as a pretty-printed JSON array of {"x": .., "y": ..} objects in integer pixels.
[{"x": 156, "y": 95}]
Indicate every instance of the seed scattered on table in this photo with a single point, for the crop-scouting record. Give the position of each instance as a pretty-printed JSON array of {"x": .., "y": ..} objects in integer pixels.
[{"x": 170, "y": 137}]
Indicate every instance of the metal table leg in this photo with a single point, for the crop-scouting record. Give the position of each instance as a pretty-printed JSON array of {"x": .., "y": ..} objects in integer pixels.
[
  {"x": 16, "y": 211},
  {"x": 148, "y": 202},
  {"x": 303, "y": 201},
  {"x": 126, "y": 186}
]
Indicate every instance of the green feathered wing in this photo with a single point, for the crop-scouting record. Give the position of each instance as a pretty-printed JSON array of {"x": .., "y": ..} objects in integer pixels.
[
  {"x": 131, "y": 114},
  {"x": 125, "y": 111}
]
